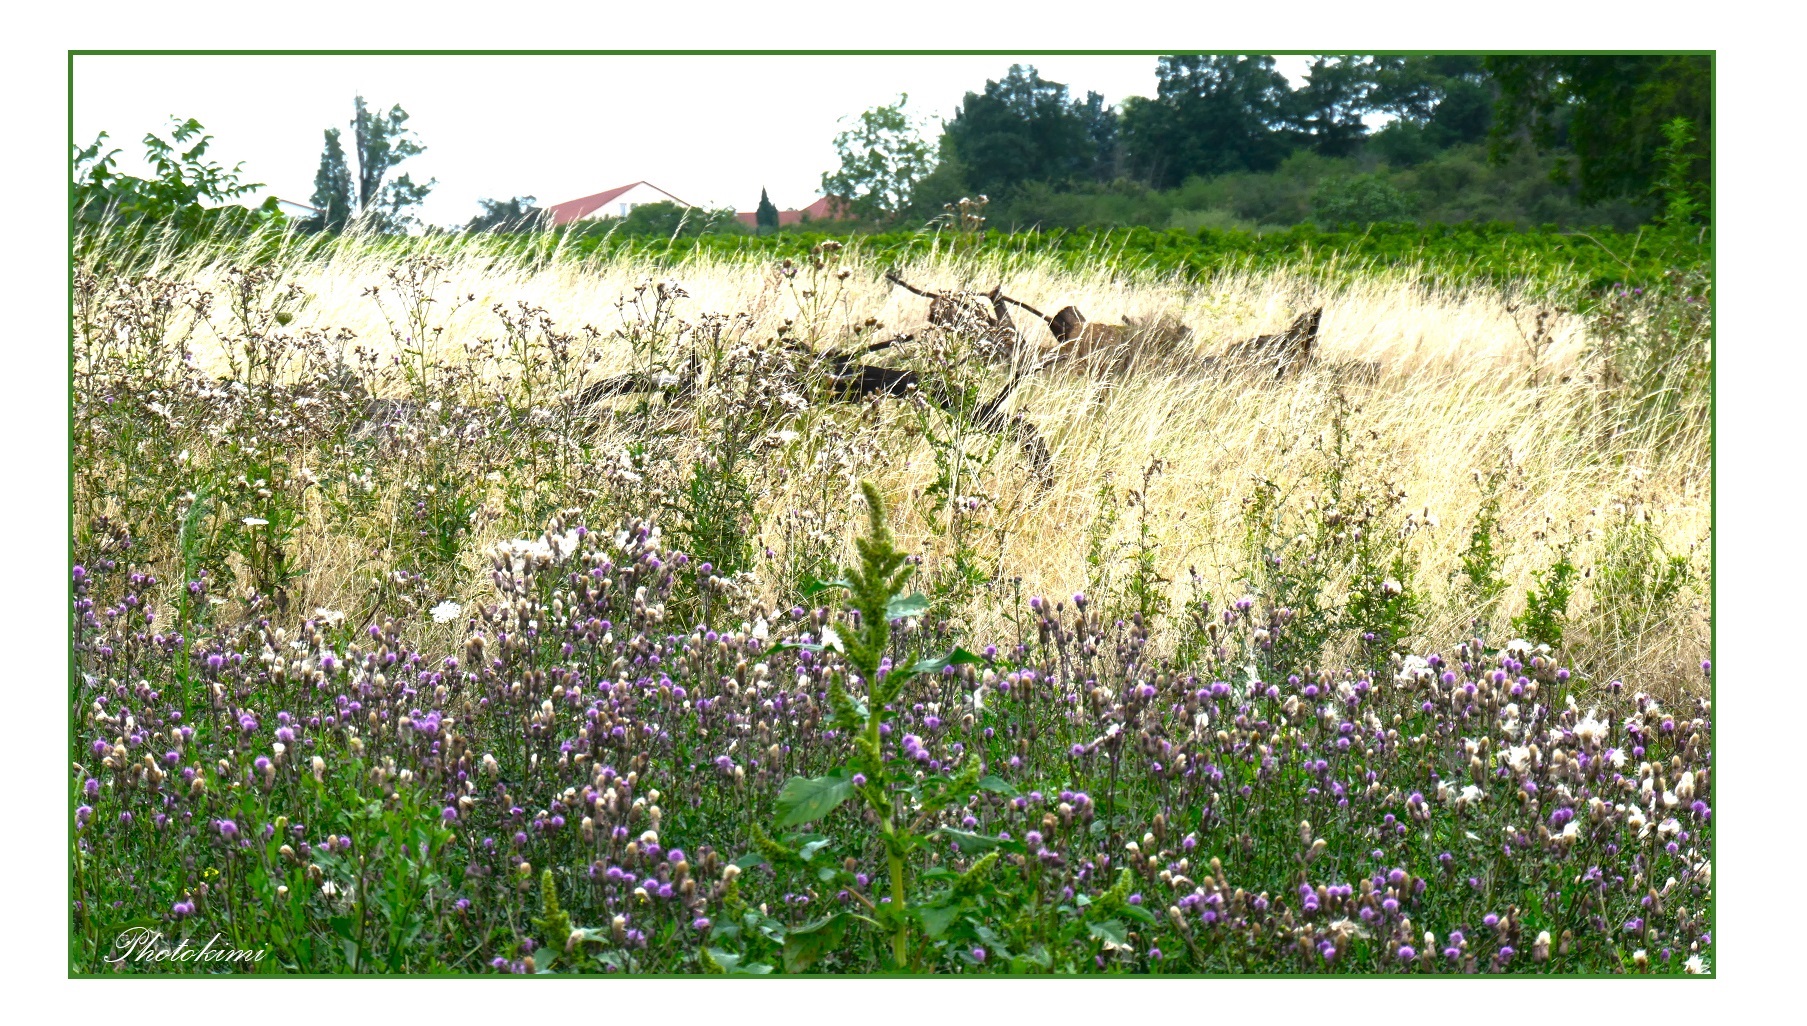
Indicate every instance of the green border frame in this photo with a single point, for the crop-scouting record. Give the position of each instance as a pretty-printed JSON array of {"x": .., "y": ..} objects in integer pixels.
[{"x": 69, "y": 439}]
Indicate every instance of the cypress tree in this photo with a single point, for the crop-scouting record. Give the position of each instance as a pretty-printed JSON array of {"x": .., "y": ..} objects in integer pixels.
[
  {"x": 332, "y": 187},
  {"x": 766, "y": 216}
]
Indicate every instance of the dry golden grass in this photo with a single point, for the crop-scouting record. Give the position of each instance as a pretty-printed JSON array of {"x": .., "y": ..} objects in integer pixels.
[{"x": 1455, "y": 395}]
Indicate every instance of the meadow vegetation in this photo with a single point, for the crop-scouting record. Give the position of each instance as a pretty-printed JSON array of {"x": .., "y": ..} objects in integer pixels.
[{"x": 390, "y": 652}]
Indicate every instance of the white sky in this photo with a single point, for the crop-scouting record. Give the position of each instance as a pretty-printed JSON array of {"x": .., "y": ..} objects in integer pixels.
[{"x": 710, "y": 130}]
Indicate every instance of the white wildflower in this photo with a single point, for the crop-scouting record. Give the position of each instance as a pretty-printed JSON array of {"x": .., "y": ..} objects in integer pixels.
[
  {"x": 1590, "y": 731},
  {"x": 447, "y": 611},
  {"x": 1414, "y": 669},
  {"x": 1695, "y": 965},
  {"x": 1517, "y": 757},
  {"x": 255, "y": 522}
]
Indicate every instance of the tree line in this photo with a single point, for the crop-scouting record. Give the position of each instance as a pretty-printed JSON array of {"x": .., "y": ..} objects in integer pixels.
[
  {"x": 1225, "y": 141},
  {"x": 1595, "y": 125}
]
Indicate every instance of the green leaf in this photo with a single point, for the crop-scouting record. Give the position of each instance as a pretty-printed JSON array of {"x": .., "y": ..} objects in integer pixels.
[
  {"x": 956, "y": 657},
  {"x": 734, "y": 964},
  {"x": 998, "y": 784},
  {"x": 804, "y": 945},
  {"x": 749, "y": 860},
  {"x": 809, "y": 850},
  {"x": 1138, "y": 913},
  {"x": 814, "y": 588},
  {"x": 992, "y": 941},
  {"x": 1112, "y": 932},
  {"x": 969, "y": 842},
  {"x": 1037, "y": 956},
  {"x": 807, "y": 799},
  {"x": 936, "y": 920},
  {"x": 901, "y": 606}
]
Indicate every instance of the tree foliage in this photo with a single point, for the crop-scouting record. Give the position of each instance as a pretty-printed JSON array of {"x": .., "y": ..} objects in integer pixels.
[
  {"x": 1024, "y": 128},
  {"x": 185, "y": 191},
  {"x": 882, "y": 158},
  {"x": 332, "y": 188},
  {"x": 666, "y": 220},
  {"x": 383, "y": 142},
  {"x": 1328, "y": 111},
  {"x": 510, "y": 215},
  {"x": 1608, "y": 110},
  {"x": 369, "y": 195},
  {"x": 765, "y": 216},
  {"x": 1212, "y": 113}
]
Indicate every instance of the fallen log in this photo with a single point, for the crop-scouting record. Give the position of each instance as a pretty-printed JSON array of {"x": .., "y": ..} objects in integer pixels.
[{"x": 849, "y": 380}]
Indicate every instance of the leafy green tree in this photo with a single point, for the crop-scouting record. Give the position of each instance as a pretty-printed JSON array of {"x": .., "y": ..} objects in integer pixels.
[
  {"x": 1608, "y": 110},
  {"x": 1676, "y": 187},
  {"x": 765, "y": 216},
  {"x": 1022, "y": 129},
  {"x": 1328, "y": 110},
  {"x": 332, "y": 188},
  {"x": 1212, "y": 114},
  {"x": 669, "y": 220},
  {"x": 1446, "y": 98},
  {"x": 184, "y": 191},
  {"x": 511, "y": 215},
  {"x": 1103, "y": 128},
  {"x": 1360, "y": 199},
  {"x": 383, "y": 141},
  {"x": 882, "y": 158}
]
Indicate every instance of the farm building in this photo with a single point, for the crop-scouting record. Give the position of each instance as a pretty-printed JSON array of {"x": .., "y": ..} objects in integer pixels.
[
  {"x": 828, "y": 208},
  {"x": 613, "y": 203}
]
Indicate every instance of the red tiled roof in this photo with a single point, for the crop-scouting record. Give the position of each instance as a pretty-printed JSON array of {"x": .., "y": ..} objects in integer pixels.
[
  {"x": 825, "y": 209},
  {"x": 572, "y": 210}
]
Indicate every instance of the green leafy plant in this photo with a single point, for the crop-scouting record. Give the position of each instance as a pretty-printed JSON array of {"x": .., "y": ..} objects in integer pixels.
[
  {"x": 182, "y": 193},
  {"x": 1479, "y": 571},
  {"x": 878, "y": 778},
  {"x": 1637, "y": 581},
  {"x": 1546, "y": 615}
]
